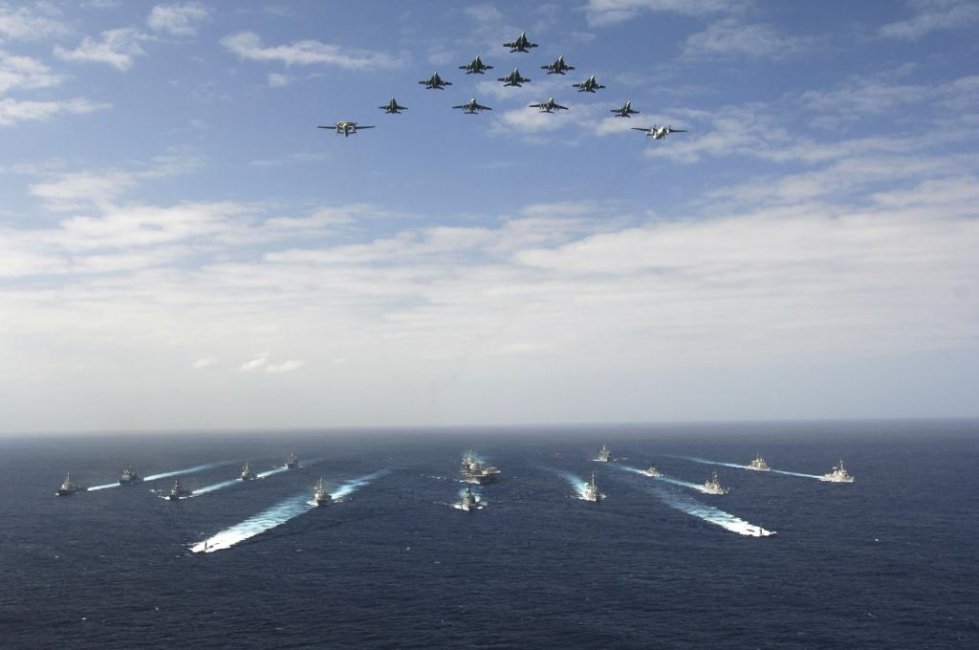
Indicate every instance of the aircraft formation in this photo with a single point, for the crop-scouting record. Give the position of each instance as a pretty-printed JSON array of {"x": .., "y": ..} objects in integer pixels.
[{"x": 514, "y": 79}]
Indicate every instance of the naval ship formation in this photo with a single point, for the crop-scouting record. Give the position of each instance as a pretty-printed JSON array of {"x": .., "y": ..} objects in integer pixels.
[{"x": 475, "y": 472}]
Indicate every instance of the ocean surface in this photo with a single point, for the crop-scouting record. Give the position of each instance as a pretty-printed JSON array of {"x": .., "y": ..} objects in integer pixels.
[{"x": 889, "y": 561}]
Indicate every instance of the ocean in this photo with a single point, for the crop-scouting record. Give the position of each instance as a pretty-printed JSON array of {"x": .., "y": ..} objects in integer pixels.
[{"x": 889, "y": 561}]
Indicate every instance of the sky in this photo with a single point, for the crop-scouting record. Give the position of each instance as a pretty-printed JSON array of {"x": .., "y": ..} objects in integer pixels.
[{"x": 182, "y": 248}]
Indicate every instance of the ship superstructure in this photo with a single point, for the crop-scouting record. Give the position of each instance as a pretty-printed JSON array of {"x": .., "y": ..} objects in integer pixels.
[
  {"x": 292, "y": 462},
  {"x": 320, "y": 496},
  {"x": 69, "y": 487},
  {"x": 838, "y": 474},
  {"x": 758, "y": 464},
  {"x": 130, "y": 477},
  {"x": 713, "y": 486},
  {"x": 468, "y": 500},
  {"x": 591, "y": 492},
  {"x": 652, "y": 471},
  {"x": 247, "y": 474},
  {"x": 178, "y": 492},
  {"x": 603, "y": 454},
  {"x": 474, "y": 471}
]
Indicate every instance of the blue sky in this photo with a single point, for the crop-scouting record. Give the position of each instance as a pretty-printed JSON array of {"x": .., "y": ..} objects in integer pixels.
[{"x": 180, "y": 247}]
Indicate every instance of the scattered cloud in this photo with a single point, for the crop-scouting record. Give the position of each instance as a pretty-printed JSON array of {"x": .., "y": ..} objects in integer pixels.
[
  {"x": 255, "y": 364},
  {"x": 24, "y": 72},
  {"x": 249, "y": 46},
  {"x": 932, "y": 16},
  {"x": 609, "y": 12},
  {"x": 205, "y": 362},
  {"x": 279, "y": 80},
  {"x": 731, "y": 37},
  {"x": 29, "y": 23},
  {"x": 13, "y": 111},
  {"x": 484, "y": 13},
  {"x": 180, "y": 19},
  {"x": 116, "y": 47},
  {"x": 284, "y": 367}
]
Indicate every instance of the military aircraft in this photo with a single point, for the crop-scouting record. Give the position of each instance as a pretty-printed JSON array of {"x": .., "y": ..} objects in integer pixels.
[
  {"x": 472, "y": 106},
  {"x": 346, "y": 128},
  {"x": 625, "y": 111},
  {"x": 659, "y": 132},
  {"x": 476, "y": 66},
  {"x": 548, "y": 106},
  {"x": 435, "y": 82},
  {"x": 558, "y": 67},
  {"x": 589, "y": 85},
  {"x": 521, "y": 44},
  {"x": 514, "y": 79},
  {"x": 393, "y": 107}
]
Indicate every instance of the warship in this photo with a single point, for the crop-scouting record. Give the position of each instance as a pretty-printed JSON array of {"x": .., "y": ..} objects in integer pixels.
[
  {"x": 591, "y": 492},
  {"x": 474, "y": 472},
  {"x": 292, "y": 462},
  {"x": 468, "y": 500},
  {"x": 652, "y": 471},
  {"x": 178, "y": 492},
  {"x": 130, "y": 477},
  {"x": 247, "y": 474},
  {"x": 603, "y": 454},
  {"x": 758, "y": 464},
  {"x": 713, "y": 486},
  {"x": 320, "y": 496},
  {"x": 69, "y": 487},
  {"x": 838, "y": 475}
]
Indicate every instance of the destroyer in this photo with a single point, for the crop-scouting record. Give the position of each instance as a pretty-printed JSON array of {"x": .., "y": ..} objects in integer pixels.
[
  {"x": 713, "y": 486},
  {"x": 603, "y": 454},
  {"x": 320, "y": 496},
  {"x": 591, "y": 492},
  {"x": 474, "y": 472},
  {"x": 838, "y": 475},
  {"x": 292, "y": 462},
  {"x": 69, "y": 487},
  {"x": 247, "y": 474},
  {"x": 178, "y": 492},
  {"x": 468, "y": 500},
  {"x": 130, "y": 477},
  {"x": 652, "y": 471},
  {"x": 758, "y": 464}
]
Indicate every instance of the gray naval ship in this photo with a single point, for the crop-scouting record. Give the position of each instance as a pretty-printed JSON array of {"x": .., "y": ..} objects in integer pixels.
[
  {"x": 69, "y": 487},
  {"x": 604, "y": 454},
  {"x": 468, "y": 500},
  {"x": 130, "y": 477},
  {"x": 838, "y": 474},
  {"x": 758, "y": 464},
  {"x": 320, "y": 496},
  {"x": 292, "y": 462},
  {"x": 177, "y": 492},
  {"x": 713, "y": 486},
  {"x": 474, "y": 472},
  {"x": 591, "y": 492},
  {"x": 247, "y": 474}
]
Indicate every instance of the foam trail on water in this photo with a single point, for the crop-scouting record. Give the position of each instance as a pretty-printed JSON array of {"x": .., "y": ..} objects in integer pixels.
[
  {"x": 272, "y": 472},
  {"x": 181, "y": 472},
  {"x": 710, "y": 514},
  {"x": 96, "y": 488},
  {"x": 214, "y": 488},
  {"x": 579, "y": 484},
  {"x": 256, "y": 525},
  {"x": 665, "y": 479},
  {"x": 349, "y": 487},
  {"x": 782, "y": 471}
]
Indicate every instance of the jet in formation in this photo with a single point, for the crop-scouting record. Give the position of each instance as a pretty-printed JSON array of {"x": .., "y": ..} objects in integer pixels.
[
  {"x": 625, "y": 111},
  {"x": 346, "y": 128},
  {"x": 549, "y": 106},
  {"x": 659, "y": 132},
  {"x": 392, "y": 107},
  {"x": 558, "y": 67},
  {"x": 521, "y": 44},
  {"x": 472, "y": 106},
  {"x": 435, "y": 82},
  {"x": 476, "y": 66},
  {"x": 589, "y": 85},
  {"x": 514, "y": 79}
]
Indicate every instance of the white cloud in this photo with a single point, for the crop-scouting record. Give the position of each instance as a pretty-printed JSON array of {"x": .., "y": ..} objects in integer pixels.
[
  {"x": 13, "y": 111},
  {"x": 116, "y": 47},
  {"x": 254, "y": 364},
  {"x": 931, "y": 16},
  {"x": 731, "y": 37},
  {"x": 204, "y": 362},
  {"x": 23, "y": 23},
  {"x": 279, "y": 80},
  {"x": 180, "y": 19},
  {"x": 23, "y": 72},
  {"x": 484, "y": 13},
  {"x": 284, "y": 367},
  {"x": 74, "y": 190},
  {"x": 248, "y": 45},
  {"x": 607, "y": 12}
]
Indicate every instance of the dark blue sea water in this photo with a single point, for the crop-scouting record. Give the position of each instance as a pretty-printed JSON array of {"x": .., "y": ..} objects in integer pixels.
[{"x": 889, "y": 561}]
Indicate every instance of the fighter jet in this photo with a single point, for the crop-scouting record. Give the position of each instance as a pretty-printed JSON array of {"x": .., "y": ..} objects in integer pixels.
[
  {"x": 521, "y": 44},
  {"x": 392, "y": 107},
  {"x": 435, "y": 82},
  {"x": 346, "y": 128},
  {"x": 514, "y": 79},
  {"x": 625, "y": 111},
  {"x": 589, "y": 85},
  {"x": 659, "y": 132},
  {"x": 558, "y": 67},
  {"x": 472, "y": 106},
  {"x": 476, "y": 66},
  {"x": 548, "y": 106}
]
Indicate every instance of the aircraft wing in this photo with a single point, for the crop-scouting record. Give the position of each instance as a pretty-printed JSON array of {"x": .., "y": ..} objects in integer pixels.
[
  {"x": 639, "y": 128},
  {"x": 326, "y": 127},
  {"x": 561, "y": 107},
  {"x": 481, "y": 107},
  {"x": 359, "y": 127}
]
